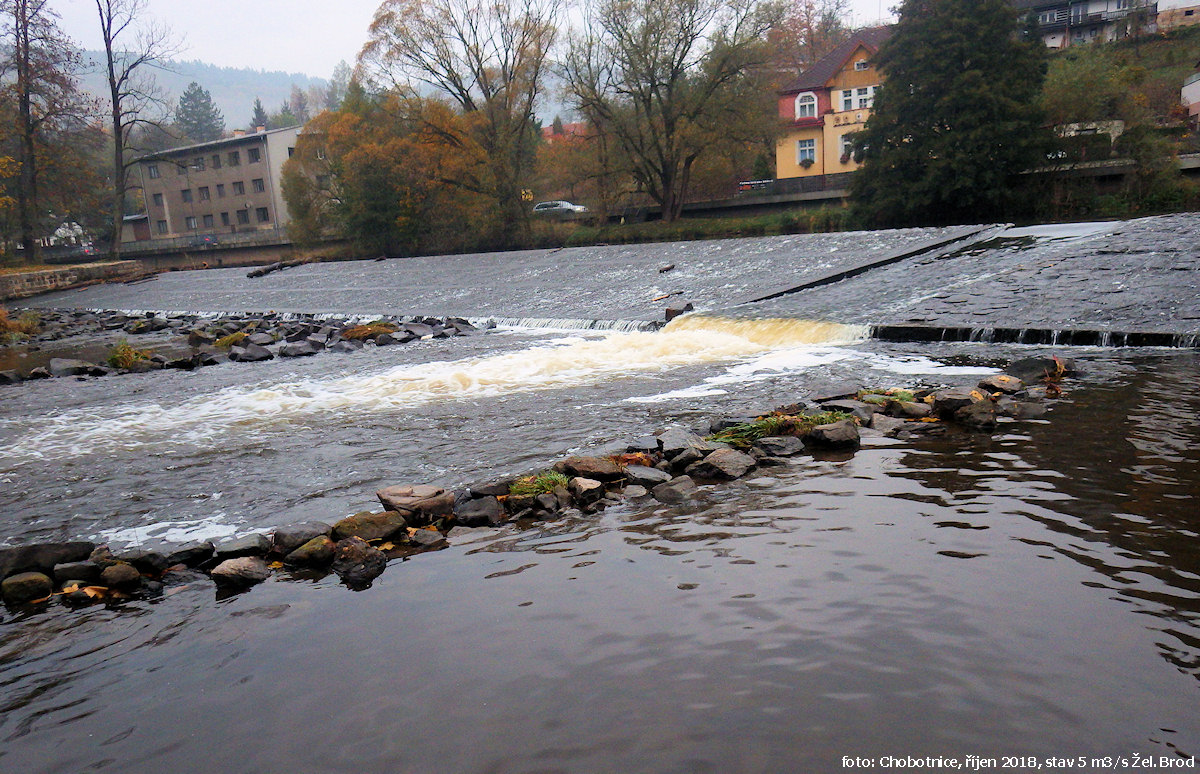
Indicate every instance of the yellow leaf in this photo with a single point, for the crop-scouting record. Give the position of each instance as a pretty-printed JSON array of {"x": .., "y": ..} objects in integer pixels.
[
  {"x": 95, "y": 592},
  {"x": 387, "y": 546}
]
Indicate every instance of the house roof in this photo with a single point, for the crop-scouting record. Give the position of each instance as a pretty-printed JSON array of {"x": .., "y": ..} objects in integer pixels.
[
  {"x": 827, "y": 66},
  {"x": 224, "y": 141}
]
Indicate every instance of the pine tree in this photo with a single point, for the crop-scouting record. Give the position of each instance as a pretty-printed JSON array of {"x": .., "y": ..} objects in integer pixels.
[
  {"x": 956, "y": 119},
  {"x": 197, "y": 117},
  {"x": 260, "y": 115}
]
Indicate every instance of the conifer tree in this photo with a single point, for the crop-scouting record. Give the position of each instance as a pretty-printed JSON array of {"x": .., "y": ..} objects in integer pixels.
[
  {"x": 956, "y": 119},
  {"x": 260, "y": 115},
  {"x": 196, "y": 115}
]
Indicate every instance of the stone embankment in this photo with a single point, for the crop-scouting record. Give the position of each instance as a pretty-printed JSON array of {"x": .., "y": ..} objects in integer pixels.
[
  {"x": 31, "y": 283},
  {"x": 670, "y": 467},
  {"x": 206, "y": 341}
]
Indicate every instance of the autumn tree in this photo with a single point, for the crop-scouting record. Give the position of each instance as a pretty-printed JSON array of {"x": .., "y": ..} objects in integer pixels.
[
  {"x": 670, "y": 81},
  {"x": 197, "y": 117},
  {"x": 490, "y": 60},
  {"x": 38, "y": 89},
  {"x": 809, "y": 30},
  {"x": 956, "y": 120},
  {"x": 133, "y": 46}
]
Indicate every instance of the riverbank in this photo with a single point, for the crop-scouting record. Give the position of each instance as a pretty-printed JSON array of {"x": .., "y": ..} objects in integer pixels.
[{"x": 19, "y": 282}]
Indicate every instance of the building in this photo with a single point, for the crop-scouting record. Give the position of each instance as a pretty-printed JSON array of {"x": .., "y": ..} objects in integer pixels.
[
  {"x": 826, "y": 105},
  {"x": 1177, "y": 13},
  {"x": 229, "y": 186},
  {"x": 1189, "y": 95},
  {"x": 1064, "y": 23}
]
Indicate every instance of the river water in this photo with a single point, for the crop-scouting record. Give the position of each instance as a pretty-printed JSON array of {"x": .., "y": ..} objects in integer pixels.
[{"x": 1034, "y": 592}]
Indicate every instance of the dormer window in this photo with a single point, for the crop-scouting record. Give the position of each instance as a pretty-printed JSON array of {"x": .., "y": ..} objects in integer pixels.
[{"x": 806, "y": 105}]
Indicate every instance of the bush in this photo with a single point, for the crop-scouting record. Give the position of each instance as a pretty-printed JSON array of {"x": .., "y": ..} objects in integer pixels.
[{"x": 124, "y": 356}]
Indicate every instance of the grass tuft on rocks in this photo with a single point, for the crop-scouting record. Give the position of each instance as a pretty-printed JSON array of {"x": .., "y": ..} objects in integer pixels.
[
  {"x": 537, "y": 484},
  {"x": 369, "y": 330},
  {"x": 743, "y": 436},
  {"x": 125, "y": 356},
  {"x": 225, "y": 342},
  {"x": 26, "y": 324}
]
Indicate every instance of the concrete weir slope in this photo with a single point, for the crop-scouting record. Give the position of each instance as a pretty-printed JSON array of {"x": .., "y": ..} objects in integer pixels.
[
  {"x": 1069, "y": 284},
  {"x": 582, "y": 283}
]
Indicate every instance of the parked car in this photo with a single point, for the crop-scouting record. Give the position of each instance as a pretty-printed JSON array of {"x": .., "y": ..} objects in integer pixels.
[{"x": 558, "y": 209}]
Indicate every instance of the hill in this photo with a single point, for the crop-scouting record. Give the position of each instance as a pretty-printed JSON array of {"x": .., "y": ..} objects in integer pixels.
[{"x": 233, "y": 89}]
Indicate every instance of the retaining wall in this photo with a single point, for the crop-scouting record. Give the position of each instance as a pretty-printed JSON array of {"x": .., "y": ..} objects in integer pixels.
[{"x": 34, "y": 282}]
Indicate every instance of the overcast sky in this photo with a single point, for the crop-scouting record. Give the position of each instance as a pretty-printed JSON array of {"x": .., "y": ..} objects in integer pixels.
[{"x": 296, "y": 36}]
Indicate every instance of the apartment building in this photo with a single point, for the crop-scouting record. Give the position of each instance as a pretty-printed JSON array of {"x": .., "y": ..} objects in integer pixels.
[
  {"x": 228, "y": 186},
  {"x": 1063, "y": 23}
]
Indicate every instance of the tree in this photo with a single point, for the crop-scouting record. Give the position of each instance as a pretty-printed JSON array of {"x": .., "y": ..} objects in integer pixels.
[
  {"x": 197, "y": 117},
  {"x": 956, "y": 119},
  {"x": 490, "y": 60},
  {"x": 298, "y": 105},
  {"x": 810, "y": 29},
  {"x": 133, "y": 46},
  {"x": 282, "y": 118},
  {"x": 259, "y": 118},
  {"x": 670, "y": 80},
  {"x": 38, "y": 88},
  {"x": 338, "y": 83}
]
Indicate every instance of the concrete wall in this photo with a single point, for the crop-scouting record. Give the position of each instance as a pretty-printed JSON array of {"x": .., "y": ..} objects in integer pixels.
[{"x": 35, "y": 282}]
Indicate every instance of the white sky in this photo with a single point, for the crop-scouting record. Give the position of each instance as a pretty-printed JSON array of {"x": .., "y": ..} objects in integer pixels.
[{"x": 300, "y": 36}]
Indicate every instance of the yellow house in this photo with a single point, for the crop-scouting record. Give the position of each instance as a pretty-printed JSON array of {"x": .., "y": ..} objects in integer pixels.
[{"x": 827, "y": 104}]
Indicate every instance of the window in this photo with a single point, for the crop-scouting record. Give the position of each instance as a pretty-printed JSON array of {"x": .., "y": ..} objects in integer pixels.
[
  {"x": 848, "y": 99},
  {"x": 152, "y": 171},
  {"x": 239, "y": 188},
  {"x": 1048, "y": 17},
  {"x": 220, "y": 190},
  {"x": 203, "y": 191},
  {"x": 806, "y": 150},
  {"x": 181, "y": 169},
  {"x": 216, "y": 161},
  {"x": 864, "y": 98},
  {"x": 198, "y": 163},
  {"x": 162, "y": 226},
  {"x": 224, "y": 218},
  {"x": 208, "y": 221},
  {"x": 235, "y": 159},
  {"x": 806, "y": 105},
  {"x": 190, "y": 221},
  {"x": 253, "y": 156},
  {"x": 1078, "y": 12},
  {"x": 263, "y": 215},
  {"x": 186, "y": 195},
  {"x": 243, "y": 216},
  {"x": 258, "y": 185},
  {"x": 846, "y": 146},
  {"x": 861, "y": 65},
  {"x": 158, "y": 200},
  {"x": 291, "y": 151}
]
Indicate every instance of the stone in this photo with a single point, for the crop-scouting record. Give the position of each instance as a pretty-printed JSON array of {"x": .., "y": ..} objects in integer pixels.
[
  {"x": 419, "y": 503},
  {"x": 480, "y": 512},
  {"x": 885, "y": 425},
  {"x": 647, "y": 444},
  {"x": 1034, "y": 369},
  {"x": 298, "y": 349},
  {"x": 674, "y": 441},
  {"x": 860, "y": 410},
  {"x": 1017, "y": 409},
  {"x": 946, "y": 402},
  {"x": 289, "y": 538},
  {"x": 146, "y": 562},
  {"x": 640, "y": 474},
  {"x": 1002, "y": 383},
  {"x": 586, "y": 490},
  {"x": 724, "y": 423},
  {"x": 907, "y": 409},
  {"x": 251, "y": 353},
  {"x": 427, "y": 538},
  {"x": 980, "y": 416},
  {"x": 200, "y": 337},
  {"x": 26, "y": 587},
  {"x": 726, "y": 464},
  {"x": 494, "y": 489},
  {"x": 780, "y": 445},
  {"x": 686, "y": 457},
  {"x": 674, "y": 491},
  {"x": 41, "y": 557},
  {"x": 241, "y": 572},
  {"x": 596, "y": 468},
  {"x": 255, "y": 544},
  {"x": 345, "y": 346},
  {"x": 61, "y": 366},
  {"x": 261, "y": 339},
  {"x": 121, "y": 577},
  {"x": 636, "y": 492},
  {"x": 357, "y": 563},
  {"x": 10, "y": 377},
  {"x": 370, "y": 526},
  {"x": 318, "y": 552},
  {"x": 191, "y": 554},
  {"x": 88, "y": 572},
  {"x": 676, "y": 308},
  {"x": 547, "y": 502},
  {"x": 419, "y": 330},
  {"x": 399, "y": 337},
  {"x": 835, "y": 435}
]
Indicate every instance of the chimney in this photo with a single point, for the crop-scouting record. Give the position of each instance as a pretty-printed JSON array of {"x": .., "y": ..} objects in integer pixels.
[
  {"x": 239, "y": 132},
  {"x": 260, "y": 129}
]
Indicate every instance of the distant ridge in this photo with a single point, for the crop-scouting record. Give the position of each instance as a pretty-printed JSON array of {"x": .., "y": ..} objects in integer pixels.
[{"x": 233, "y": 89}]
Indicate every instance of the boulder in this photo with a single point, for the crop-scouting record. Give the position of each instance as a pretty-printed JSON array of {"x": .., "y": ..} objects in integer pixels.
[
  {"x": 860, "y": 410},
  {"x": 586, "y": 490},
  {"x": 317, "y": 552},
  {"x": 493, "y": 489},
  {"x": 146, "y": 562},
  {"x": 1001, "y": 383},
  {"x": 241, "y": 572},
  {"x": 357, "y": 563},
  {"x": 480, "y": 512},
  {"x": 420, "y": 504},
  {"x": 345, "y": 346},
  {"x": 200, "y": 337},
  {"x": 595, "y": 468},
  {"x": 121, "y": 577},
  {"x": 640, "y": 474},
  {"x": 289, "y": 538},
  {"x": 398, "y": 337},
  {"x": 546, "y": 502},
  {"x": 41, "y": 557},
  {"x": 674, "y": 442},
  {"x": 676, "y": 308},
  {"x": 636, "y": 492},
  {"x": 723, "y": 464},
  {"x": 427, "y": 538},
  {"x": 10, "y": 377},
  {"x": 946, "y": 402},
  {"x": 418, "y": 330},
  {"x": 26, "y": 587},
  {"x": 885, "y": 425},
  {"x": 1033, "y": 369},
  {"x": 88, "y": 572},
  {"x": 61, "y": 366},
  {"x": 1017, "y": 409},
  {"x": 261, "y": 339},
  {"x": 255, "y": 544},
  {"x": 780, "y": 445},
  {"x": 980, "y": 416},
  {"x": 907, "y": 409},
  {"x": 370, "y": 526},
  {"x": 298, "y": 349},
  {"x": 686, "y": 457},
  {"x": 676, "y": 490},
  {"x": 251, "y": 353},
  {"x": 835, "y": 435},
  {"x": 191, "y": 554}
]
